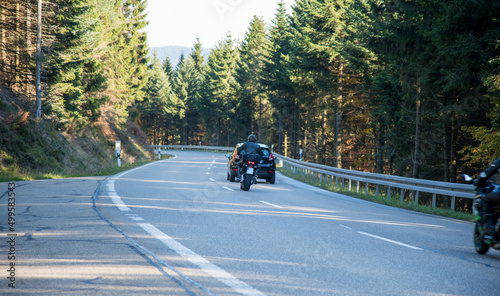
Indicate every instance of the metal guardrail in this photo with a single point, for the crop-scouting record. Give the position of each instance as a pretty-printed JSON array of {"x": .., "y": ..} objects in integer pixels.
[
  {"x": 192, "y": 147},
  {"x": 327, "y": 174},
  {"x": 331, "y": 174}
]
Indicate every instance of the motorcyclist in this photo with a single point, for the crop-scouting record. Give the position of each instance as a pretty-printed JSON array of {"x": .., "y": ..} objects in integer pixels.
[
  {"x": 249, "y": 147},
  {"x": 490, "y": 199}
]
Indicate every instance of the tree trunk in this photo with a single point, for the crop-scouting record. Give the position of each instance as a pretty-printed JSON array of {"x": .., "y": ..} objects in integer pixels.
[
  {"x": 218, "y": 132},
  {"x": 453, "y": 155},
  {"x": 337, "y": 137},
  {"x": 259, "y": 128},
  {"x": 416, "y": 159},
  {"x": 446, "y": 145},
  {"x": 380, "y": 149},
  {"x": 38, "y": 61},
  {"x": 17, "y": 42},
  {"x": 322, "y": 157},
  {"x": 280, "y": 132}
]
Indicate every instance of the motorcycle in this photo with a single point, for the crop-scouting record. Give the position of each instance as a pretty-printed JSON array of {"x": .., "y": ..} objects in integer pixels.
[
  {"x": 248, "y": 172},
  {"x": 481, "y": 243}
]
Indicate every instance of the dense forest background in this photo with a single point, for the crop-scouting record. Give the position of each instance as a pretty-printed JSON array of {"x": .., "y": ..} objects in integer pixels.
[{"x": 410, "y": 88}]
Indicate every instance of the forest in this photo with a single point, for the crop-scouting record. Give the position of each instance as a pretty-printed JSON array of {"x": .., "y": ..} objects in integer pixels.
[{"x": 403, "y": 87}]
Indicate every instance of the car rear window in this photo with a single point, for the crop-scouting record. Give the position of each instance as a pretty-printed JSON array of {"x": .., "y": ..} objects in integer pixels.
[{"x": 265, "y": 151}]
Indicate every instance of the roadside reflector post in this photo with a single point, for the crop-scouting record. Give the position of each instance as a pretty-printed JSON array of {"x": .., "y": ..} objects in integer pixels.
[
  {"x": 117, "y": 152},
  {"x": 159, "y": 152}
]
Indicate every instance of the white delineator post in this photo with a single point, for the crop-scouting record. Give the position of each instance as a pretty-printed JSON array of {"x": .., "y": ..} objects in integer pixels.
[{"x": 117, "y": 152}]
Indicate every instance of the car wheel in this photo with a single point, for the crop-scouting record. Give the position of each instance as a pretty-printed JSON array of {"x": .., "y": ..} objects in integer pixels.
[
  {"x": 232, "y": 177},
  {"x": 272, "y": 180}
]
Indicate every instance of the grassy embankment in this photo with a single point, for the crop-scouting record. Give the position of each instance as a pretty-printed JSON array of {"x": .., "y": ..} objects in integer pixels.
[
  {"x": 381, "y": 198},
  {"x": 31, "y": 149}
]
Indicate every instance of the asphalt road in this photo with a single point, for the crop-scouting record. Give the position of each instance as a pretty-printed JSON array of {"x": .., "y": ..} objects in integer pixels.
[
  {"x": 288, "y": 238},
  {"x": 178, "y": 227}
]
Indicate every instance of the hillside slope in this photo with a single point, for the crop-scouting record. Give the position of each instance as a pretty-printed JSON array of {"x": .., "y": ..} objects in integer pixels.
[{"x": 35, "y": 148}]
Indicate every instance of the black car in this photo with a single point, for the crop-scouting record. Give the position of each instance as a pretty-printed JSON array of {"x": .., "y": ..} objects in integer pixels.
[{"x": 267, "y": 166}]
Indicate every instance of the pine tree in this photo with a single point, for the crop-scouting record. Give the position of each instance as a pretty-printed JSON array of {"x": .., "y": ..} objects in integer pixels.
[
  {"x": 160, "y": 107},
  {"x": 276, "y": 76},
  {"x": 70, "y": 65},
  {"x": 253, "y": 51},
  {"x": 219, "y": 91},
  {"x": 319, "y": 28},
  {"x": 168, "y": 68}
]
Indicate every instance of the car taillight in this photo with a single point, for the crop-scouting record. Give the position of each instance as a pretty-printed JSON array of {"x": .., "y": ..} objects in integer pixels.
[{"x": 271, "y": 156}]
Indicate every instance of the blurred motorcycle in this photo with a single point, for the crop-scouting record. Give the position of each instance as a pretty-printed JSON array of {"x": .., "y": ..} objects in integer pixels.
[{"x": 481, "y": 243}]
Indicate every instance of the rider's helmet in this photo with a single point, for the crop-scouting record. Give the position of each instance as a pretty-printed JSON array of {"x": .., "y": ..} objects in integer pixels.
[{"x": 252, "y": 138}]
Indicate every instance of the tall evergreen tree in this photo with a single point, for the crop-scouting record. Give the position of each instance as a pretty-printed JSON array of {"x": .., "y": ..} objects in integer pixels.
[
  {"x": 276, "y": 76},
  {"x": 253, "y": 50},
  {"x": 70, "y": 64},
  {"x": 219, "y": 91},
  {"x": 160, "y": 107},
  {"x": 319, "y": 28}
]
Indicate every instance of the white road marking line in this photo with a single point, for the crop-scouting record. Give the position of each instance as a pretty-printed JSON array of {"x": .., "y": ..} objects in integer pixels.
[
  {"x": 201, "y": 262},
  {"x": 208, "y": 173},
  {"x": 114, "y": 196},
  {"x": 384, "y": 239},
  {"x": 227, "y": 188},
  {"x": 112, "y": 192},
  {"x": 211, "y": 179},
  {"x": 270, "y": 204},
  {"x": 136, "y": 218}
]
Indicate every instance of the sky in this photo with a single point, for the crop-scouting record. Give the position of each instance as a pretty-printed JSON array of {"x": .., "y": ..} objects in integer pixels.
[{"x": 179, "y": 22}]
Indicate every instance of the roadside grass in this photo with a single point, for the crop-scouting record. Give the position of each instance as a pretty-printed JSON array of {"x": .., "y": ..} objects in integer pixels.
[
  {"x": 380, "y": 199},
  {"x": 20, "y": 175}
]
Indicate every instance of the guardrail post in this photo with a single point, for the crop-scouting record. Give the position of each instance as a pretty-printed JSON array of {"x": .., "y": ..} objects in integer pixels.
[
  {"x": 389, "y": 192},
  {"x": 434, "y": 201},
  {"x": 402, "y": 197},
  {"x": 453, "y": 203},
  {"x": 350, "y": 182},
  {"x": 357, "y": 186},
  {"x": 416, "y": 197},
  {"x": 366, "y": 188}
]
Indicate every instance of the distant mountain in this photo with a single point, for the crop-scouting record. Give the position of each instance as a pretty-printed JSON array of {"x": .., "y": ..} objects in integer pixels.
[{"x": 174, "y": 53}]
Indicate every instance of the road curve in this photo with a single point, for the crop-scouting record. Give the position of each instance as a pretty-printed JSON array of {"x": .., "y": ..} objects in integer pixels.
[{"x": 288, "y": 238}]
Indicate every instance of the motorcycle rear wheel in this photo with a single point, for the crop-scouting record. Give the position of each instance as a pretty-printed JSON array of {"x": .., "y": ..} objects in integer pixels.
[
  {"x": 479, "y": 244},
  {"x": 247, "y": 182}
]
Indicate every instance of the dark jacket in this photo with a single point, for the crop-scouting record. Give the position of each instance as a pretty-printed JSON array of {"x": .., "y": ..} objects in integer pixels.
[
  {"x": 488, "y": 173},
  {"x": 492, "y": 197},
  {"x": 250, "y": 148}
]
